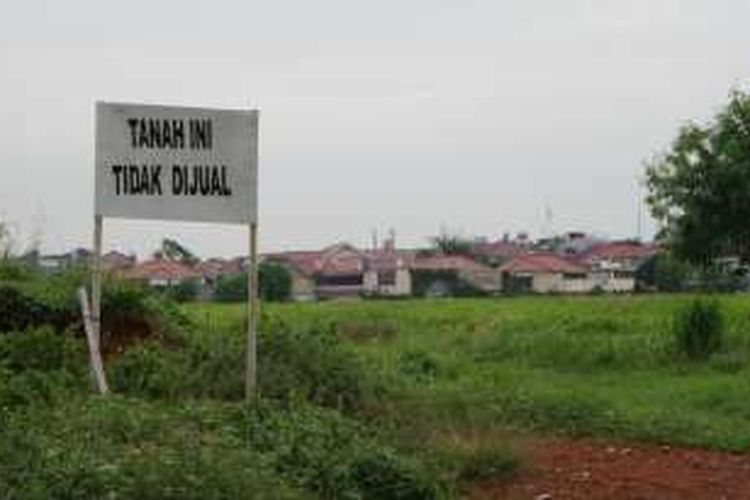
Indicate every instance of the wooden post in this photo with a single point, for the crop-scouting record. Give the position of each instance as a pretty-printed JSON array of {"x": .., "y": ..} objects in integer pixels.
[
  {"x": 95, "y": 355},
  {"x": 253, "y": 311}
]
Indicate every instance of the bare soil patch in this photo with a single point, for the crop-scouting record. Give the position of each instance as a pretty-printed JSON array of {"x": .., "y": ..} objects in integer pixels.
[{"x": 559, "y": 468}]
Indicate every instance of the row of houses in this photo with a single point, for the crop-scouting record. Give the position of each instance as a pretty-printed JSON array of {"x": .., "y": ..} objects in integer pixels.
[{"x": 345, "y": 271}]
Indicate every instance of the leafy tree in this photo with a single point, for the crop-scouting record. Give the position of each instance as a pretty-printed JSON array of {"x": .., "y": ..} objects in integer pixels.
[
  {"x": 664, "y": 273},
  {"x": 174, "y": 251},
  {"x": 185, "y": 291},
  {"x": 452, "y": 244},
  {"x": 231, "y": 288},
  {"x": 700, "y": 189},
  {"x": 275, "y": 283}
]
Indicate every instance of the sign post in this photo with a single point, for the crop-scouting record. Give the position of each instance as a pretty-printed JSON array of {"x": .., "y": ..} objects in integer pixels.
[
  {"x": 178, "y": 163},
  {"x": 251, "y": 370}
]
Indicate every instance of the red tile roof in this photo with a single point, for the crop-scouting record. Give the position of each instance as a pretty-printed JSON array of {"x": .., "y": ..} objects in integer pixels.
[
  {"x": 499, "y": 249},
  {"x": 339, "y": 259},
  {"x": 116, "y": 261},
  {"x": 161, "y": 269},
  {"x": 542, "y": 262},
  {"x": 447, "y": 263},
  {"x": 618, "y": 251},
  {"x": 215, "y": 267},
  {"x": 307, "y": 263}
]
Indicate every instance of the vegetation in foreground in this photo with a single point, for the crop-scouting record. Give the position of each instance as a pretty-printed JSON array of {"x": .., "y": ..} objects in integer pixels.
[
  {"x": 397, "y": 399},
  {"x": 668, "y": 368},
  {"x": 177, "y": 426}
]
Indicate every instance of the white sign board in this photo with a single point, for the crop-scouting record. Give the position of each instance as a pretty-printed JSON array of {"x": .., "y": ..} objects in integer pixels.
[{"x": 174, "y": 163}]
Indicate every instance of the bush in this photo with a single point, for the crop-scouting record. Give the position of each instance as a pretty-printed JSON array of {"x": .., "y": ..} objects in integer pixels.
[
  {"x": 698, "y": 329},
  {"x": 19, "y": 311},
  {"x": 316, "y": 365},
  {"x": 117, "y": 448},
  {"x": 333, "y": 456},
  {"x": 39, "y": 349},
  {"x": 274, "y": 283},
  {"x": 184, "y": 291},
  {"x": 382, "y": 474},
  {"x": 231, "y": 288},
  {"x": 312, "y": 365},
  {"x": 418, "y": 364}
]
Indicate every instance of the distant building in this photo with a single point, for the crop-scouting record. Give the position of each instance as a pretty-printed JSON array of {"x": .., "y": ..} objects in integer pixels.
[
  {"x": 343, "y": 271},
  {"x": 387, "y": 272},
  {"x": 545, "y": 272},
  {"x": 60, "y": 262},
  {"x": 302, "y": 266},
  {"x": 162, "y": 273},
  {"x": 115, "y": 261},
  {"x": 613, "y": 265},
  {"x": 439, "y": 275},
  {"x": 496, "y": 253},
  {"x": 213, "y": 269}
]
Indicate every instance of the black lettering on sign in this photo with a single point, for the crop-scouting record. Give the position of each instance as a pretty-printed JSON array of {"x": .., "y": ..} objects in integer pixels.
[
  {"x": 156, "y": 133},
  {"x": 137, "y": 179},
  {"x": 225, "y": 190},
  {"x": 116, "y": 171},
  {"x": 177, "y": 180},
  {"x": 201, "y": 134},
  {"x": 155, "y": 179},
  {"x": 203, "y": 180},
  {"x": 133, "y": 124}
]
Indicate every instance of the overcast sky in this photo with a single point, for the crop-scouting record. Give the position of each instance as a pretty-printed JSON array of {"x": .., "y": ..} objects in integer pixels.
[{"x": 416, "y": 115}]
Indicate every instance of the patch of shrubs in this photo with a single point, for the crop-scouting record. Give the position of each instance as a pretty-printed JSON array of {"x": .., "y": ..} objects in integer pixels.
[
  {"x": 699, "y": 329},
  {"x": 77, "y": 452},
  {"x": 312, "y": 365},
  {"x": 19, "y": 311},
  {"x": 334, "y": 456},
  {"x": 419, "y": 365}
]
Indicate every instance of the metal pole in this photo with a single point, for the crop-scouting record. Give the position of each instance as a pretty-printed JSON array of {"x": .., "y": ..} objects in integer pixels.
[
  {"x": 96, "y": 280},
  {"x": 253, "y": 310},
  {"x": 95, "y": 355}
]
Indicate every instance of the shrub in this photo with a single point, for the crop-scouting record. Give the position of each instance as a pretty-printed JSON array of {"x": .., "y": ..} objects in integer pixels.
[
  {"x": 419, "y": 364},
  {"x": 316, "y": 365},
  {"x": 332, "y": 455},
  {"x": 184, "y": 291},
  {"x": 313, "y": 365},
  {"x": 39, "y": 349},
  {"x": 274, "y": 283},
  {"x": 117, "y": 448},
  {"x": 19, "y": 311},
  {"x": 231, "y": 288},
  {"x": 149, "y": 370},
  {"x": 382, "y": 474},
  {"x": 698, "y": 329}
]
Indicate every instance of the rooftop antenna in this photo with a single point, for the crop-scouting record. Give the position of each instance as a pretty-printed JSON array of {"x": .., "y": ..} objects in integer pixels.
[
  {"x": 639, "y": 214},
  {"x": 548, "y": 219}
]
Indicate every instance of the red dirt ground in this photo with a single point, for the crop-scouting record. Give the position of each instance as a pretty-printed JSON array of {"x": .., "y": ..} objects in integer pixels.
[{"x": 582, "y": 469}]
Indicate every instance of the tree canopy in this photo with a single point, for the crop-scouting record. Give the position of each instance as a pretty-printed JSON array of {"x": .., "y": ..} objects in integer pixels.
[
  {"x": 175, "y": 251},
  {"x": 699, "y": 190}
]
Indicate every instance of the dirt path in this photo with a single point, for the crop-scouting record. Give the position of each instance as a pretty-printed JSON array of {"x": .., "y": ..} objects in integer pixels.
[{"x": 582, "y": 469}]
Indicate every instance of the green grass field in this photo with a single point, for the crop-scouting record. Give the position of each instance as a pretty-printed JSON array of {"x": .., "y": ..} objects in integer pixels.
[
  {"x": 417, "y": 399},
  {"x": 596, "y": 366}
]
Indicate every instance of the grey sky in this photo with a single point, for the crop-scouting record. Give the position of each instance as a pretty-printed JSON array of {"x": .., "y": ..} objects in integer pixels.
[{"x": 469, "y": 114}]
